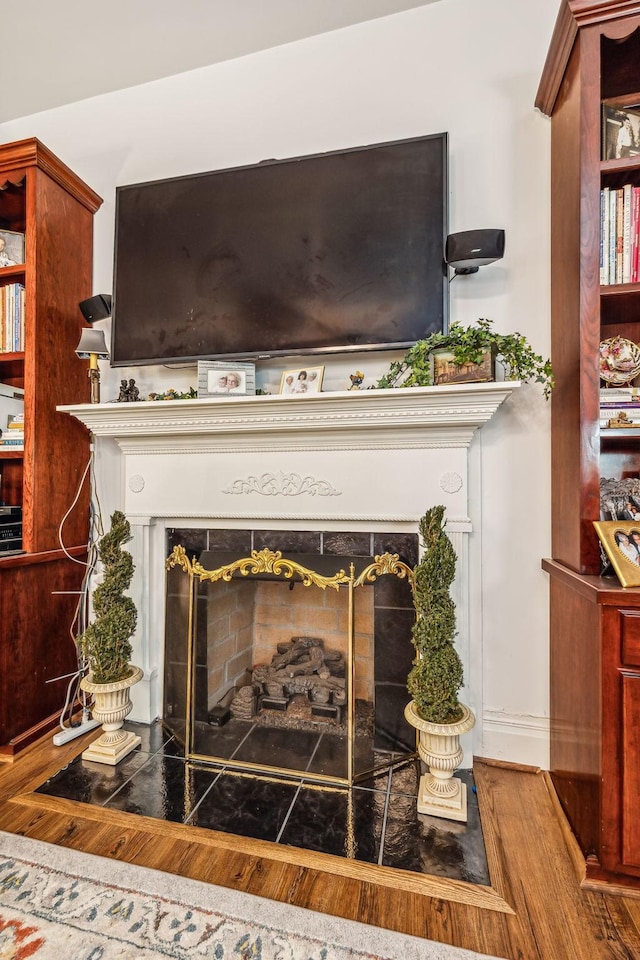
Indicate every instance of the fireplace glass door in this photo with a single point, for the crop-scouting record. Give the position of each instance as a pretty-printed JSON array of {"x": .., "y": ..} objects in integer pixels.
[{"x": 271, "y": 663}]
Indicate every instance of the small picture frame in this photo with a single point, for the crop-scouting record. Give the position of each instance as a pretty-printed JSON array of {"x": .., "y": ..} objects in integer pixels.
[
  {"x": 620, "y": 129},
  {"x": 222, "y": 378},
  {"x": 621, "y": 541},
  {"x": 301, "y": 382},
  {"x": 11, "y": 248}
]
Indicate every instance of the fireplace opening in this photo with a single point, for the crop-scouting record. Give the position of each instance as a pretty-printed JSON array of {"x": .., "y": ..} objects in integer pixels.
[{"x": 289, "y": 665}]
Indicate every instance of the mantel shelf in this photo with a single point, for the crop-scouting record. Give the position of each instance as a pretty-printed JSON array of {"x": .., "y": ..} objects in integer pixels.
[{"x": 397, "y": 417}]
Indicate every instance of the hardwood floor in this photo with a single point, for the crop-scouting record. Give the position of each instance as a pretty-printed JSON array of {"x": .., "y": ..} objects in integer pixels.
[{"x": 535, "y": 908}]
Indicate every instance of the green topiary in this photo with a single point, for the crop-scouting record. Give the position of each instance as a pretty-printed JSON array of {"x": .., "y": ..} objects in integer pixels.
[
  {"x": 105, "y": 643},
  {"x": 437, "y": 673}
]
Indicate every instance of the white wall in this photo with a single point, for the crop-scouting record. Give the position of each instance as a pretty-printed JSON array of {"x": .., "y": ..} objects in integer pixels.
[{"x": 470, "y": 67}]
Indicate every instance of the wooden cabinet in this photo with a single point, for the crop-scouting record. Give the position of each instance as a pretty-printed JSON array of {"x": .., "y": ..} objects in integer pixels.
[
  {"x": 594, "y": 623},
  {"x": 42, "y": 198}
]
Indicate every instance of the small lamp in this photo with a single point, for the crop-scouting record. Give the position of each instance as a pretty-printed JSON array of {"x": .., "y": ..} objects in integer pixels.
[{"x": 93, "y": 347}]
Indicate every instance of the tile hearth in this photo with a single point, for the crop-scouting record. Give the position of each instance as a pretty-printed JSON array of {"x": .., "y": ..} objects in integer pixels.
[{"x": 375, "y": 822}]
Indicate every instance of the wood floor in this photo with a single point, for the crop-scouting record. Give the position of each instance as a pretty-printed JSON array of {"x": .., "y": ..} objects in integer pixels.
[{"x": 535, "y": 908}]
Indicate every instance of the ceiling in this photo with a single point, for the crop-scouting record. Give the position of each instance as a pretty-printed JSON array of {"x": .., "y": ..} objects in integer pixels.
[{"x": 74, "y": 49}]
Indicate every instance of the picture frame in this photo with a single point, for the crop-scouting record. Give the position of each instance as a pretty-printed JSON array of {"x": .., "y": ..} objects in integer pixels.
[
  {"x": 226, "y": 378},
  {"x": 620, "y": 128},
  {"x": 302, "y": 381},
  {"x": 619, "y": 539},
  {"x": 445, "y": 370},
  {"x": 11, "y": 248}
]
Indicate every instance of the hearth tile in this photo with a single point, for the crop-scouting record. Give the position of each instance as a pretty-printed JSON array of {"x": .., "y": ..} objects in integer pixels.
[
  {"x": 435, "y": 845},
  {"x": 165, "y": 788},
  {"x": 330, "y": 758},
  {"x": 393, "y": 591},
  {"x": 288, "y": 541},
  {"x": 238, "y": 541},
  {"x": 154, "y": 738},
  {"x": 405, "y": 778},
  {"x": 328, "y": 822},
  {"x": 404, "y": 544},
  {"x": 347, "y": 544},
  {"x": 392, "y": 730},
  {"x": 89, "y": 782},
  {"x": 192, "y": 539},
  {"x": 222, "y": 742},
  {"x": 394, "y": 652},
  {"x": 278, "y": 747},
  {"x": 246, "y": 806}
]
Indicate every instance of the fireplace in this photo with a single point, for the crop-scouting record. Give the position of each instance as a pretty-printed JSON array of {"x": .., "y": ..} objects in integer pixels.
[
  {"x": 364, "y": 463},
  {"x": 316, "y": 646}
]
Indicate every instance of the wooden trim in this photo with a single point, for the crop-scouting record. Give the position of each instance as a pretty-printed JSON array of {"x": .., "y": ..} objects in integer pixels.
[
  {"x": 571, "y": 843},
  {"x": 9, "y": 751},
  {"x": 572, "y": 16},
  {"x": 32, "y": 153},
  {"x": 456, "y": 891},
  {"x": 48, "y": 556}
]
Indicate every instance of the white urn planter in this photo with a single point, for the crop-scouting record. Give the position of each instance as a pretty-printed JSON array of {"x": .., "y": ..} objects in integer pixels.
[
  {"x": 440, "y": 793},
  {"x": 112, "y": 705}
]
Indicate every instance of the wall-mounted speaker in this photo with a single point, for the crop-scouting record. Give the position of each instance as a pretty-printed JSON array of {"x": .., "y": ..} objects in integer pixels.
[
  {"x": 96, "y": 308},
  {"x": 466, "y": 252}
]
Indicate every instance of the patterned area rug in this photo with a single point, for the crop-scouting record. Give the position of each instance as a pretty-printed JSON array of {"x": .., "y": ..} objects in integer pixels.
[{"x": 57, "y": 904}]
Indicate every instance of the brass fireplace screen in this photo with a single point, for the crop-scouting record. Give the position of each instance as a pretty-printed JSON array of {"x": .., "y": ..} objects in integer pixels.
[{"x": 270, "y": 665}]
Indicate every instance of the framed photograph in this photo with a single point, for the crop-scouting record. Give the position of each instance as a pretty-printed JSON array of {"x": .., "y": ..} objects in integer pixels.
[
  {"x": 446, "y": 371},
  {"x": 620, "y": 129},
  {"x": 621, "y": 541},
  {"x": 11, "y": 248},
  {"x": 220, "y": 378},
  {"x": 303, "y": 381}
]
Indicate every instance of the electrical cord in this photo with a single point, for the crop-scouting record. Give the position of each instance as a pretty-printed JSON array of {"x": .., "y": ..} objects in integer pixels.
[{"x": 80, "y": 618}]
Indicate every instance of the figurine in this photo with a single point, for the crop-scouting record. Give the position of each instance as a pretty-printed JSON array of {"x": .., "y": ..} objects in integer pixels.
[
  {"x": 356, "y": 380},
  {"x": 129, "y": 392}
]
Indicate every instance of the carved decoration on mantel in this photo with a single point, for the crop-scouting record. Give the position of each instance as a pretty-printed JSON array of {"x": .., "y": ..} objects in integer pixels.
[
  {"x": 451, "y": 482},
  {"x": 283, "y": 485}
]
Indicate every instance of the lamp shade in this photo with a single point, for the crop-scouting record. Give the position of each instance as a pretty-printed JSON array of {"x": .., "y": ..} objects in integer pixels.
[{"x": 92, "y": 342}]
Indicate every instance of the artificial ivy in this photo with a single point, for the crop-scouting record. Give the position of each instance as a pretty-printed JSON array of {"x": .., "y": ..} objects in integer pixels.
[{"x": 468, "y": 344}]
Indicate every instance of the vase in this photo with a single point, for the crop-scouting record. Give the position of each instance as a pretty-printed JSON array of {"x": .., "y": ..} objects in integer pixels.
[
  {"x": 440, "y": 793},
  {"x": 112, "y": 705}
]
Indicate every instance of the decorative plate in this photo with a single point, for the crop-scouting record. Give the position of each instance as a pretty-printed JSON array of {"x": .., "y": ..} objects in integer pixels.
[{"x": 619, "y": 361}]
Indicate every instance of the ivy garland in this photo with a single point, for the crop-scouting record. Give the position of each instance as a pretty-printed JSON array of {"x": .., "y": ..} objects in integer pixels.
[{"x": 468, "y": 344}]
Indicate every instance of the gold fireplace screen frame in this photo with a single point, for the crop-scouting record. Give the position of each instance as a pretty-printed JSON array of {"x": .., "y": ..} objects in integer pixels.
[{"x": 273, "y": 563}]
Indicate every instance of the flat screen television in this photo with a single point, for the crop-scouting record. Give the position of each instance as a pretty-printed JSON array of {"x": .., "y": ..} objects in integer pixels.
[{"x": 331, "y": 253}]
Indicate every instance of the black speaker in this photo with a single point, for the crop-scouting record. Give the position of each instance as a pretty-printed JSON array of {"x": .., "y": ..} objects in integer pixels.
[
  {"x": 466, "y": 252},
  {"x": 96, "y": 308}
]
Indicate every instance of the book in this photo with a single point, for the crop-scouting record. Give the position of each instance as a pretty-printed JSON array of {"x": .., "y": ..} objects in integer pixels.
[
  {"x": 635, "y": 233},
  {"x": 604, "y": 235},
  {"x": 627, "y": 194}
]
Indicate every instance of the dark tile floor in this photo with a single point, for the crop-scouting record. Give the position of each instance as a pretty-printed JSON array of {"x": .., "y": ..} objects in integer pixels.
[{"x": 375, "y": 822}]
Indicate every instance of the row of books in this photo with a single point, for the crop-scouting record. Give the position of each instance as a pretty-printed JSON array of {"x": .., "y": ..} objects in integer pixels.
[
  {"x": 619, "y": 234},
  {"x": 12, "y": 318},
  {"x": 13, "y": 437},
  {"x": 619, "y": 407}
]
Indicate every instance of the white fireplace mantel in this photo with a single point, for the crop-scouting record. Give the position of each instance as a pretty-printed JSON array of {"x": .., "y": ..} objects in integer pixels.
[
  {"x": 361, "y": 419},
  {"x": 353, "y": 460}
]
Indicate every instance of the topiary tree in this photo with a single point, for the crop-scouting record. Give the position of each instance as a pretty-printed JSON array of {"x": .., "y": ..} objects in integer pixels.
[
  {"x": 106, "y": 642},
  {"x": 437, "y": 673}
]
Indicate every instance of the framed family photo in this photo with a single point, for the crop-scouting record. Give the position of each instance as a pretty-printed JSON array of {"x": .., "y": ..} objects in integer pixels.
[
  {"x": 620, "y": 129},
  {"x": 621, "y": 541},
  {"x": 218, "y": 378},
  {"x": 11, "y": 248},
  {"x": 303, "y": 381}
]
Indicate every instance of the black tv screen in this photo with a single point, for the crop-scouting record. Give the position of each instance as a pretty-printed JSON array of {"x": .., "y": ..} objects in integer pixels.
[{"x": 335, "y": 252}]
